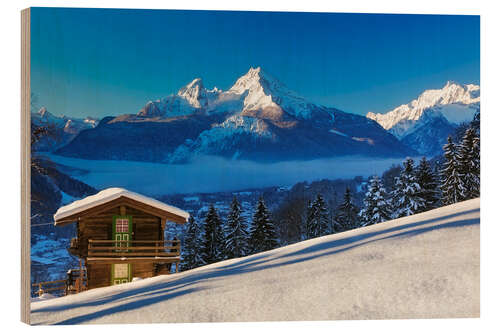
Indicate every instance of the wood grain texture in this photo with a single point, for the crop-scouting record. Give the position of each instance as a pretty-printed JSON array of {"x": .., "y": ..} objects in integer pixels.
[{"x": 25, "y": 165}]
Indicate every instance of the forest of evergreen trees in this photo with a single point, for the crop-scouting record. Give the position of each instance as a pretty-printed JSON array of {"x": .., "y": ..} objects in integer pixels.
[{"x": 401, "y": 191}]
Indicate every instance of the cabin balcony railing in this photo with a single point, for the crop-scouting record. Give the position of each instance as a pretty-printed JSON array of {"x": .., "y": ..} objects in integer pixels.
[
  {"x": 57, "y": 287},
  {"x": 134, "y": 248},
  {"x": 75, "y": 282}
]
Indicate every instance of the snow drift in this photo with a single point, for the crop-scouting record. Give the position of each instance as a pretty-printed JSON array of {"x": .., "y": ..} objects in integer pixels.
[{"x": 422, "y": 266}]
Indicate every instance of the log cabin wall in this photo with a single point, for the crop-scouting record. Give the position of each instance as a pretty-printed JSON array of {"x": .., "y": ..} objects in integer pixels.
[
  {"x": 99, "y": 227},
  {"x": 98, "y": 275},
  {"x": 144, "y": 227},
  {"x": 143, "y": 270}
]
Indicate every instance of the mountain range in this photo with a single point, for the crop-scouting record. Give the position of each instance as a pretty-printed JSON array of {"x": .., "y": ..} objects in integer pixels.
[
  {"x": 257, "y": 119},
  {"x": 425, "y": 123},
  {"x": 62, "y": 129}
]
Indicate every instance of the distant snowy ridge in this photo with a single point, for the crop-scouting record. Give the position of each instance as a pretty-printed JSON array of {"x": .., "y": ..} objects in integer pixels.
[
  {"x": 425, "y": 122},
  {"x": 62, "y": 128},
  {"x": 456, "y": 102},
  {"x": 451, "y": 93},
  {"x": 70, "y": 124}
]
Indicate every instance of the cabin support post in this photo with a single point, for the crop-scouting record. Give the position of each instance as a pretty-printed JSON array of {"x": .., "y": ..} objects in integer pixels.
[{"x": 80, "y": 284}]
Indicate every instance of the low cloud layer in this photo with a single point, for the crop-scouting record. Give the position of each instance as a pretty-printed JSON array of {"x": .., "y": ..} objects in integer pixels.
[{"x": 215, "y": 174}]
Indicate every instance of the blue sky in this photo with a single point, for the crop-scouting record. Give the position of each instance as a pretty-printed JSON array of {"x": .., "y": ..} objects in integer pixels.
[{"x": 95, "y": 62}]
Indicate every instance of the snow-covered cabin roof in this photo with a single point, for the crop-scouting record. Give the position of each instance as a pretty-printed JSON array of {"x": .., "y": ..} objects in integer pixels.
[{"x": 109, "y": 195}]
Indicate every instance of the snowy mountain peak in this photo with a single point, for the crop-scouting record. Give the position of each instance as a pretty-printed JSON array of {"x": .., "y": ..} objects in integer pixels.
[
  {"x": 194, "y": 93},
  {"x": 451, "y": 93},
  {"x": 254, "y": 93},
  {"x": 265, "y": 93},
  {"x": 44, "y": 116},
  {"x": 250, "y": 81},
  {"x": 42, "y": 111}
]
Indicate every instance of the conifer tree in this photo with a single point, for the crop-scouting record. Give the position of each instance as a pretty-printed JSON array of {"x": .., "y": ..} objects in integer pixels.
[
  {"x": 262, "y": 233},
  {"x": 236, "y": 232},
  {"x": 427, "y": 180},
  {"x": 406, "y": 198},
  {"x": 317, "y": 218},
  {"x": 192, "y": 255},
  {"x": 476, "y": 122},
  {"x": 476, "y": 156},
  {"x": 468, "y": 163},
  {"x": 310, "y": 215},
  {"x": 347, "y": 213},
  {"x": 213, "y": 246},
  {"x": 452, "y": 184},
  {"x": 376, "y": 204}
]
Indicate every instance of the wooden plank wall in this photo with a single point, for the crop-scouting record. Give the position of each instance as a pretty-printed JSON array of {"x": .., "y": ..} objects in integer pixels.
[
  {"x": 98, "y": 275},
  {"x": 145, "y": 227},
  {"x": 143, "y": 270}
]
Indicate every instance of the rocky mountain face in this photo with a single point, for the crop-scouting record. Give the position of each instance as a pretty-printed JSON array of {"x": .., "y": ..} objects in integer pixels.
[
  {"x": 258, "y": 119},
  {"x": 61, "y": 130},
  {"x": 424, "y": 123}
]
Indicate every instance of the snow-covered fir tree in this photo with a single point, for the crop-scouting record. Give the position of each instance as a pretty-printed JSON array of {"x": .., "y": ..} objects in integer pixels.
[
  {"x": 310, "y": 213},
  {"x": 452, "y": 182},
  {"x": 263, "y": 235},
  {"x": 213, "y": 245},
  {"x": 476, "y": 155},
  {"x": 347, "y": 213},
  {"x": 376, "y": 204},
  {"x": 476, "y": 123},
  {"x": 468, "y": 163},
  {"x": 427, "y": 180},
  {"x": 236, "y": 232},
  {"x": 317, "y": 221},
  {"x": 405, "y": 197},
  {"x": 192, "y": 249}
]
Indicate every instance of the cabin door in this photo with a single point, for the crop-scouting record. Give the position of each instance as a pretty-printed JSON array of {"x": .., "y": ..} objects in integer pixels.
[
  {"x": 122, "y": 235},
  {"x": 121, "y": 273},
  {"x": 122, "y": 232}
]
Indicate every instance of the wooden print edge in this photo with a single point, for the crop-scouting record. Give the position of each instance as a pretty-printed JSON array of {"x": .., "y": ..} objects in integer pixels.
[{"x": 25, "y": 164}]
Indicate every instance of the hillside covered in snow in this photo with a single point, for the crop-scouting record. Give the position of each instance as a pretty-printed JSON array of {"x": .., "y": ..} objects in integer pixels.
[{"x": 421, "y": 266}]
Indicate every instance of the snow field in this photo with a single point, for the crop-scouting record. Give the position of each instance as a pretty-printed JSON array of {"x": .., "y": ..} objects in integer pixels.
[{"x": 421, "y": 266}]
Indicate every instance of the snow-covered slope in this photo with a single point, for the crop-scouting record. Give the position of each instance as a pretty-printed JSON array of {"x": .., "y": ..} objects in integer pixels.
[
  {"x": 422, "y": 266},
  {"x": 258, "y": 119},
  {"x": 425, "y": 122}
]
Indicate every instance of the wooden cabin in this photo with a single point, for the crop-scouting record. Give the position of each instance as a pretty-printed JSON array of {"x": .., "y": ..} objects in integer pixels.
[{"x": 120, "y": 236}]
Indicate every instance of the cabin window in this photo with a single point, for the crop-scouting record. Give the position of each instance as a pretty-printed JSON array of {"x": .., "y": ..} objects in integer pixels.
[{"x": 121, "y": 225}]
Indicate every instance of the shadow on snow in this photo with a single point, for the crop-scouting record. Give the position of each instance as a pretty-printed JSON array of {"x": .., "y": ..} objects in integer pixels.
[{"x": 161, "y": 292}]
